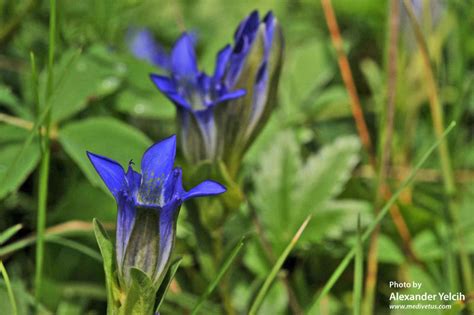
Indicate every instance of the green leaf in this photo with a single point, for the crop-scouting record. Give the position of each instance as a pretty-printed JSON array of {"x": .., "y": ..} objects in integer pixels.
[
  {"x": 338, "y": 217},
  {"x": 91, "y": 75},
  {"x": 104, "y": 136},
  {"x": 140, "y": 297},
  {"x": 288, "y": 190},
  {"x": 76, "y": 246},
  {"x": 325, "y": 174},
  {"x": 308, "y": 63},
  {"x": 165, "y": 284},
  {"x": 9, "y": 233},
  {"x": 331, "y": 103},
  {"x": 275, "y": 184},
  {"x": 145, "y": 104},
  {"x": 388, "y": 251},
  {"x": 255, "y": 259},
  {"x": 11, "y": 143},
  {"x": 107, "y": 251},
  {"x": 10, "y": 101},
  {"x": 426, "y": 246},
  {"x": 82, "y": 201}
]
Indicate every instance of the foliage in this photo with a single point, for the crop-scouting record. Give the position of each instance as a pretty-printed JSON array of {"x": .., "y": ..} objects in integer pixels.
[{"x": 307, "y": 160}]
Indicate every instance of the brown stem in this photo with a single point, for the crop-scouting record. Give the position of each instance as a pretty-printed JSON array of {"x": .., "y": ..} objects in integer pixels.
[
  {"x": 359, "y": 118},
  {"x": 372, "y": 260}
]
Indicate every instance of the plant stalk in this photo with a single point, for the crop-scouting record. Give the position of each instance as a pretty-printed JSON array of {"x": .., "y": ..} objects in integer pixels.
[{"x": 45, "y": 161}]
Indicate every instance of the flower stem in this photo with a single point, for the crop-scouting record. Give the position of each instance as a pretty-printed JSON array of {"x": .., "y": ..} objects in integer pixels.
[{"x": 45, "y": 160}]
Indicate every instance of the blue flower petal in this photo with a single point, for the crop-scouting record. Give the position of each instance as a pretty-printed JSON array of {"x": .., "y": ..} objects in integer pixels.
[
  {"x": 206, "y": 188},
  {"x": 168, "y": 87},
  {"x": 133, "y": 181},
  {"x": 221, "y": 61},
  {"x": 230, "y": 96},
  {"x": 207, "y": 127},
  {"x": 183, "y": 57},
  {"x": 248, "y": 25},
  {"x": 167, "y": 228},
  {"x": 270, "y": 22},
  {"x": 110, "y": 171},
  {"x": 173, "y": 185},
  {"x": 143, "y": 46},
  {"x": 125, "y": 220},
  {"x": 157, "y": 163},
  {"x": 259, "y": 99}
]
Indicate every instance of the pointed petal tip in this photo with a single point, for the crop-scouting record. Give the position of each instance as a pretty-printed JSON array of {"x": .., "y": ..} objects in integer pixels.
[
  {"x": 183, "y": 56},
  {"x": 168, "y": 87},
  {"x": 110, "y": 171},
  {"x": 206, "y": 188},
  {"x": 158, "y": 160}
]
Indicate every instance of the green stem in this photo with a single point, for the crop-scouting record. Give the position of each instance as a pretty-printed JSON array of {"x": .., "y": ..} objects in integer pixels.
[
  {"x": 358, "y": 271},
  {"x": 11, "y": 296},
  {"x": 41, "y": 218},
  {"x": 45, "y": 160},
  {"x": 276, "y": 268}
]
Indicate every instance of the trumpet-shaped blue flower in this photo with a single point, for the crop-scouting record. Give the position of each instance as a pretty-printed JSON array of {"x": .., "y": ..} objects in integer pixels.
[
  {"x": 148, "y": 205},
  {"x": 196, "y": 95},
  {"x": 221, "y": 114}
]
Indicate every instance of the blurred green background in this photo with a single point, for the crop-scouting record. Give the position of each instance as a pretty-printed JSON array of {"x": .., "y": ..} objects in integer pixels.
[{"x": 307, "y": 160}]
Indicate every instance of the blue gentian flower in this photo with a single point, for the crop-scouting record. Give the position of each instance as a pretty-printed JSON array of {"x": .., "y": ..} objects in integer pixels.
[
  {"x": 196, "y": 95},
  {"x": 221, "y": 114},
  {"x": 148, "y": 205}
]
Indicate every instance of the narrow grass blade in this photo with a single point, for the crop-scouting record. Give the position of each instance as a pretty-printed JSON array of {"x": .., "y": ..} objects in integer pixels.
[
  {"x": 11, "y": 296},
  {"x": 273, "y": 273},
  {"x": 347, "y": 259},
  {"x": 358, "y": 271},
  {"x": 9, "y": 233},
  {"x": 76, "y": 246},
  {"x": 70, "y": 228},
  {"x": 227, "y": 263},
  {"x": 34, "y": 77}
]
